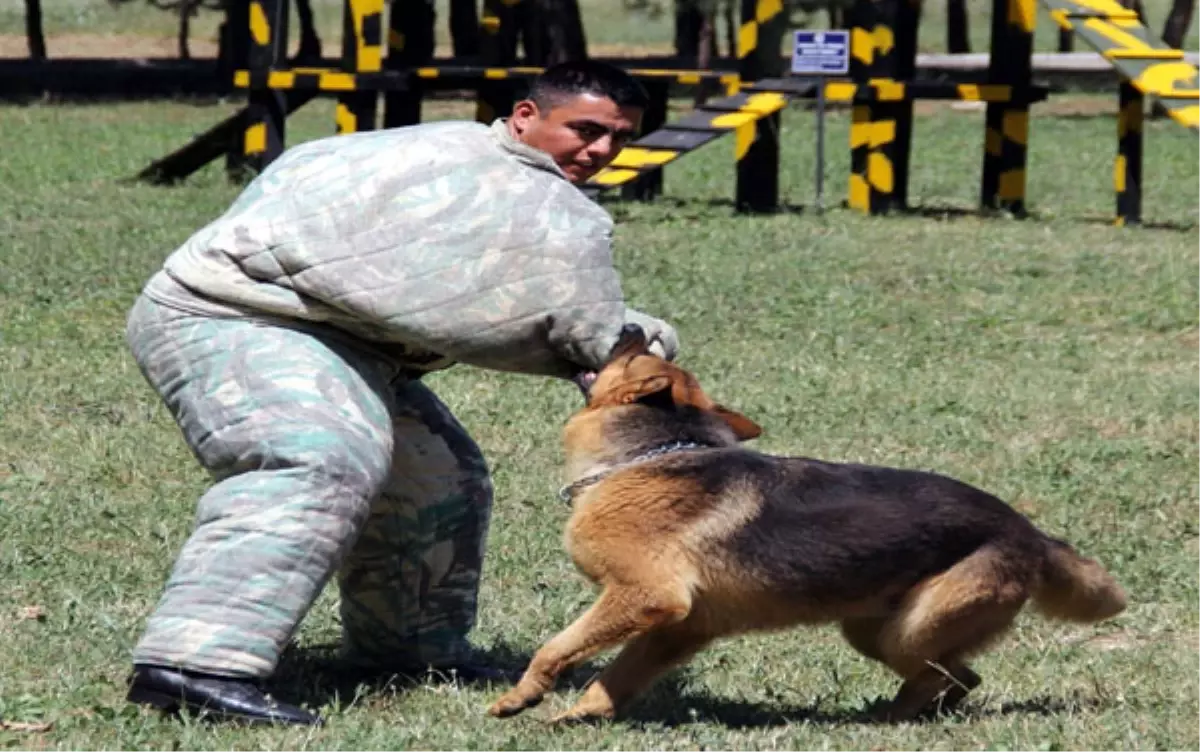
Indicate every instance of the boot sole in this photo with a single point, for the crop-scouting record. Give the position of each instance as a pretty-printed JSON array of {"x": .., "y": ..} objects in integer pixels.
[{"x": 172, "y": 704}]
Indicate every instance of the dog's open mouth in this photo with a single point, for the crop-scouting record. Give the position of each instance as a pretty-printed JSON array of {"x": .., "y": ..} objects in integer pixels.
[{"x": 584, "y": 380}]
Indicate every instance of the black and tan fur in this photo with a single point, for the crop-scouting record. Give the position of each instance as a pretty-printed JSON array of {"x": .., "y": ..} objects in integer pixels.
[{"x": 921, "y": 571}]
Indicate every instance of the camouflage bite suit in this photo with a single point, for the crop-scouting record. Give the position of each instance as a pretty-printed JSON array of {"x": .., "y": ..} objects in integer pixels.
[
  {"x": 287, "y": 339},
  {"x": 323, "y": 456}
]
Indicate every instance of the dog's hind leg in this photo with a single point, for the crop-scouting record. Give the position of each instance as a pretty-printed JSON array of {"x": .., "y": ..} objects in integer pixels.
[
  {"x": 863, "y": 635},
  {"x": 622, "y": 612},
  {"x": 642, "y": 662},
  {"x": 936, "y": 688},
  {"x": 944, "y": 620}
]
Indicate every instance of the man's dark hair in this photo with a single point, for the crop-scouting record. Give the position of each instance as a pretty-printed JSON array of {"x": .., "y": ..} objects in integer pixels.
[{"x": 565, "y": 81}]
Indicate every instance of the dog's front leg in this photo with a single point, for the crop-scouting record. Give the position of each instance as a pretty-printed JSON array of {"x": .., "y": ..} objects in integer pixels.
[
  {"x": 640, "y": 663},
  {"x": 620, "y": 614}
]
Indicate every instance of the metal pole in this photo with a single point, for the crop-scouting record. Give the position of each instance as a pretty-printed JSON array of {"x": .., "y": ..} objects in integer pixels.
[{"x": 820, "y": 143}]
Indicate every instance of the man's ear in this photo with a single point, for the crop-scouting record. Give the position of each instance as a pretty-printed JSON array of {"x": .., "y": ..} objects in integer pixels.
[
  {"x": 743, "y": 428},
  {"x": 655, "y": 390},
  {"x": 523, "y": 113}
]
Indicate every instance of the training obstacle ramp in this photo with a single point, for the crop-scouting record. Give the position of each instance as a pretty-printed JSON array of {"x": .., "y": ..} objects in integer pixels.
[
  {"x": 388, "y": 56},
  {"x": 396, "y": 66}
]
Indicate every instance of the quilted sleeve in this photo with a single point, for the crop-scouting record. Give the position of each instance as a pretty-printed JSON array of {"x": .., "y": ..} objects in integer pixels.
[{"x": 457, "y": 250}]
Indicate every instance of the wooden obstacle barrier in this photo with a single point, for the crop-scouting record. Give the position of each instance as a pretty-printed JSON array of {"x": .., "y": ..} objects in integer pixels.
[
  {"x": 880, "y": 90},
  {"x": 1147, "y": 66},
  {"x": 401, "y": 71},
  {"x": 882, "y": 87}
]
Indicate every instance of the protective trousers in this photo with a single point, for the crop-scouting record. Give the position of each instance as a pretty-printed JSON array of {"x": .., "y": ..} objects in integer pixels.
[{"x": 322, "y": 466}]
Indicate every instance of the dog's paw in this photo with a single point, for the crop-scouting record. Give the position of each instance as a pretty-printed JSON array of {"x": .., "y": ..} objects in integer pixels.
[{"x": 513, "y": 703}]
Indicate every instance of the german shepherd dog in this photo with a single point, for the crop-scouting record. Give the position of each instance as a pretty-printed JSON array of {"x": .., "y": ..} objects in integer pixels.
[{"x": 692, "y": 538}]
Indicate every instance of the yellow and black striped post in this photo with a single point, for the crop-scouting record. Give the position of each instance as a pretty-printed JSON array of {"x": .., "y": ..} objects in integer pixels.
[
  {"x": 756, "y": 143},
  {"x": 883, "y": 57},
  {"x": 362, "y": 52},
  {"x": 498, "y": 49},
  {"x": 863, "y": 19},
  {"x": 1127, "y": 172},
  {"x": 859, "y": 192},
  {"x": 1006, "y": 138},
  {"x": 266, "y": 116},
  {"x": 410, "y": 44}
]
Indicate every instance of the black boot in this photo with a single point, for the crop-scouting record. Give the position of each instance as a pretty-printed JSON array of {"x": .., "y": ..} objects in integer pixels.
[{"x": 225, "y": 697}]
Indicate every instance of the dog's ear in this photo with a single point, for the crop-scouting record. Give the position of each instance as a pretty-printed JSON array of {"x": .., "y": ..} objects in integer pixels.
[
  {"x": 653, "y": 390},
  {"x": 743, "y": 428}
]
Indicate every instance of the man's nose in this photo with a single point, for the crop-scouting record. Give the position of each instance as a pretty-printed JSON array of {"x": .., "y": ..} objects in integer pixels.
[{"x": 602, "y": 146}]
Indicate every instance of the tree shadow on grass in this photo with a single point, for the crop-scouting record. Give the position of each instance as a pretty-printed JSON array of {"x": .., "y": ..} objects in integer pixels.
[
  {"x": 697, "y": 208},
  {"x": 314, "y": 676},
  {"x": 685, "y": 209},
  {"x": 1169, "y": 225},
  {"x": 668, "y": 705}
]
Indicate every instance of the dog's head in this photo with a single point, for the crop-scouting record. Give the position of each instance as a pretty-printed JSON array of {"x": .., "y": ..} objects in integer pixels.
[{"x": 635, "y": 375}]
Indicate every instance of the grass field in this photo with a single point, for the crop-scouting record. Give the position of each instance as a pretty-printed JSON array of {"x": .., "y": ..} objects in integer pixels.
[
  {"x": 87, "y": 27},
  {"x": 1052, "y": 361}
]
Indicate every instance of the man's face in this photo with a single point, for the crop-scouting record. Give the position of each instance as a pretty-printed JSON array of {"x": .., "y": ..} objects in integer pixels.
[{"x": 582, "y": 134}]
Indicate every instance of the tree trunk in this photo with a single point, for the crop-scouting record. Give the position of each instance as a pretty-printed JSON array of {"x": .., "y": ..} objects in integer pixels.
[
  {"x": 1136, "y": 5},
  {"x": 185, "y": 24},
  {"x": 1178, "y": 21},
  {"x": 688, "y": 22},
  {"x": 34, "y": 33},
  {"x": 309, "y": 50},
  {"x": 704, "y": 54},
  {"x": 958, "y": 36},
  {"x": 728, "y": 10},
  {"x": 555, "y": 34},
  {"x": 464, "y": 28},
  {"x": 837, "y": 13}
]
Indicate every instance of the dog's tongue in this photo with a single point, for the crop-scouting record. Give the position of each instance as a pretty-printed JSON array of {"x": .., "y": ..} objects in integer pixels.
[{"x": 584, "y": 380}]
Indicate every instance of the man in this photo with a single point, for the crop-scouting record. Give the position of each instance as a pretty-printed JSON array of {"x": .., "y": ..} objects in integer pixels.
[{"x": 288, "y": 338}]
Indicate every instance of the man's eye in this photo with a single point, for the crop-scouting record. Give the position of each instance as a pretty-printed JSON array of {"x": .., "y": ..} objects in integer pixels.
[{"x": 590, "y": 132}]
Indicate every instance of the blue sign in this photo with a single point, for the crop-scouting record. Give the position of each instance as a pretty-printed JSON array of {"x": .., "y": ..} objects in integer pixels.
[{"x": 821, "y": 53}]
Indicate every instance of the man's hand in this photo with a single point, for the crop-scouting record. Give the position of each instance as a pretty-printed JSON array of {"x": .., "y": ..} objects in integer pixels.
[{"x": 661, "y": 336}]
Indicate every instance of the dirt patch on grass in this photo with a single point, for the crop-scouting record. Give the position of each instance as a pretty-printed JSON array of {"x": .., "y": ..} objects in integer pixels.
[
  {"x": 108, "y": 46},
  {"x": 1062, "y": 105},
  {"x": 1190, "y": 340},
  {"x": 1077, "y": 105},
  {"x": 1127, "y": 640},
  {"x": 134, "y": 46}
]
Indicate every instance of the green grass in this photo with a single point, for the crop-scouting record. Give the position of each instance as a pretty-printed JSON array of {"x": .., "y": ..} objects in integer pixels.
[
  {"x": 1052, "y": 361},
  {"x": 607, "y": 23}
]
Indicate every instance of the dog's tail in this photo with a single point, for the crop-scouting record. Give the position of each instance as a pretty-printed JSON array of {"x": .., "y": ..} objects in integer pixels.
[{"x": 1076, "y": 588}]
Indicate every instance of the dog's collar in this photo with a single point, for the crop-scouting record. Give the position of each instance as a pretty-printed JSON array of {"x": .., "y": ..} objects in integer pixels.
[{"x": 567, "y": 493}]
